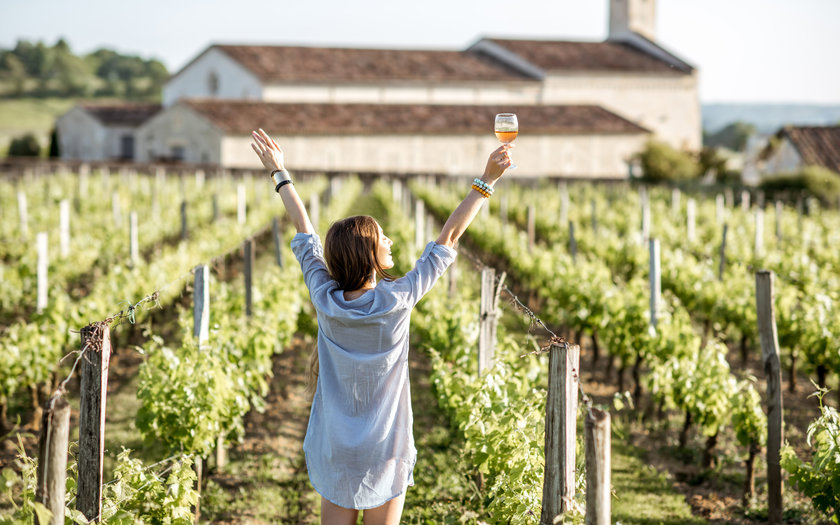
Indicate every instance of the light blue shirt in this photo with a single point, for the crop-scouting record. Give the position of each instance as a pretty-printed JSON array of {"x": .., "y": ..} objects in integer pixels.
[{"x": 359, "y": 443}]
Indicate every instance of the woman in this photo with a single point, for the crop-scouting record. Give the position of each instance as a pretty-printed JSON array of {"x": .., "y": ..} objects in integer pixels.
[{"x": 359, "y": 445}]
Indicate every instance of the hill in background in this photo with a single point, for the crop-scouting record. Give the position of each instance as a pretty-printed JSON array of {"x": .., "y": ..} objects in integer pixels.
[{"x": 768, "y": 118}]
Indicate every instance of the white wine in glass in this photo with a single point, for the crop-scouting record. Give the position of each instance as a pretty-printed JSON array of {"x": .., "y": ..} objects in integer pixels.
[{"x": 507, "y": 127}]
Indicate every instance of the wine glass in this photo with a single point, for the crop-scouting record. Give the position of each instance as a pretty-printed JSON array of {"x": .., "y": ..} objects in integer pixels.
[{"x": 507, "y": 127}]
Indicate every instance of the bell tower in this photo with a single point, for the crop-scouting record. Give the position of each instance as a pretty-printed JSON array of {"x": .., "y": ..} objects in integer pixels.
[{"x": 636, "y": 16}]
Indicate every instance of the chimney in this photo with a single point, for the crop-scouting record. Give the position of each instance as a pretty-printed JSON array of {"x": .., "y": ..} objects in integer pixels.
[{"x": 632, "y": 16}]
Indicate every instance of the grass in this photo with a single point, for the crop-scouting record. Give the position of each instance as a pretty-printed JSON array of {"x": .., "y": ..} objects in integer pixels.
[{"x": 19, "y": 116}]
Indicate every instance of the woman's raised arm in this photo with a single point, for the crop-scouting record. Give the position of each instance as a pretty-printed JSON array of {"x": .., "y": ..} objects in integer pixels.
[
  {"x": 272, "y": 158},
  {"x": 464, "y": 214}
]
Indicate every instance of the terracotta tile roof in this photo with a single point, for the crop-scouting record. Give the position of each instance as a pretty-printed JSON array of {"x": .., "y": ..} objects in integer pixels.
[
  {"x": 240, "y": 117},
  {"x": 320, "y": 64},
  {"x": 121, "y": 114},
  {"x": 553, "y": 55},
  {"x": 818, "y": 145}
]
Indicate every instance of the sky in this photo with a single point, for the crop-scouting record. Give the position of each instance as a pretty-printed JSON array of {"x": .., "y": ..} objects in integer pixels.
[{"x": 778, "y": 51}]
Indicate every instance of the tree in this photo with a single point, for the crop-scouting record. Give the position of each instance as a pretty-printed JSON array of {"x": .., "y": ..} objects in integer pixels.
[
  {"x": 734, "y": 136},
  {"x": 25, "y": 146},
  {"x": 662, "y": 163},
  {"x": 55, "y": 149}
]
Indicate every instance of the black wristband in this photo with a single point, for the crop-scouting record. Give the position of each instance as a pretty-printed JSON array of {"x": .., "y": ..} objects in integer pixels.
[{"x": 282, "y": 183}]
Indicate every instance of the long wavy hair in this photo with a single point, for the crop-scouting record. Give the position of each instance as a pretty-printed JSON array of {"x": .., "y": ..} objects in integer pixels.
[{"x": 350, "y": 250}]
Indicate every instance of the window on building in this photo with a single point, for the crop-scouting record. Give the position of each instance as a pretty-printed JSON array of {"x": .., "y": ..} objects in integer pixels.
[{"x": 213, "y": 83}]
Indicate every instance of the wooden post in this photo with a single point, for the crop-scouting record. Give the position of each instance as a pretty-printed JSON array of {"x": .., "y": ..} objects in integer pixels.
[
  {"x": 764, "y": 297},
  {"x": 560, "y": 427},
  {"x": 314, "y": 211},
  {"x": 64, "y": 227},
  {"x": 23, "y": 214},
  {"x": 572, "y": 242},
  {"x": 201, "y": 304},
  {"x": 199, "y": 179},
  {"x": 759, "y": 232},
  {"x": 52, "y": 459},
  {"x": 722, "y": 253},
  {"x": 41, "y": 269},
  {"x": 719, "y": 209},
  {"x": 532, "y": 227},
  {"x": 240, "y": 203},
  {"x": 745, "y": 201},
  {"x": 655, "y": 281},
  {"x": 133, "y": 245},
  {"x": 96, "y": 344},
  {"x": 116, "y": 208},
  {"x": 184, "y": 232},
  {"x": 278, "y": 241},
  {"x": 487, "y": 320},
  {"x": 691, "y": 219},
  {"x": 598, "y": 448},
  {"x": 419, "y": 224},
  {"x": 248, "y": 271}
]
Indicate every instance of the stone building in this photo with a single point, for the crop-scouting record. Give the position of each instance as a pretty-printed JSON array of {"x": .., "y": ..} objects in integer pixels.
[
  {"x": 628, "y": 76},
  {"x": 95, "y": 132},
  {"x": 795, "y": 147}
]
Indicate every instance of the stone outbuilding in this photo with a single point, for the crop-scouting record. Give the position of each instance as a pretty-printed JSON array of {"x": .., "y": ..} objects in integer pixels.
[
  {"x": 101, "y": 132},
  {"x": 794, "y": 147}
]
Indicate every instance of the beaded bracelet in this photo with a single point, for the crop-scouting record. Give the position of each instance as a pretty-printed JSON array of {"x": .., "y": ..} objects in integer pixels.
[
  {"x": 480, "y": 190},
  {"x": 483, "y": 185}
]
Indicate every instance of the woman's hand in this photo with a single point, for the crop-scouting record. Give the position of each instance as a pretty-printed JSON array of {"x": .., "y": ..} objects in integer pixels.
[
  {"x": 267, "y": 150},
  {"x": 498, "y": 162}
]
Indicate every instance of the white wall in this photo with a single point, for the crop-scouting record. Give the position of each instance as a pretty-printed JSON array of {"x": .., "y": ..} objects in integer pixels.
[
  {"x": 406, "y": 93},
  {"x": 234, "y": 81},
  {"x": 668, "y": 105},
  {"x": 596, "y": 156},
  {"x": 178, "y": 126},
  {"x": 785, "y": 159},
  {"x": 80, "y": 136}
]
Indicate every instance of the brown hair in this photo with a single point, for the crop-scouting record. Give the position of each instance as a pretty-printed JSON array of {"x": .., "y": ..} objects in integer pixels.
[{"x": 350, "y": 249}]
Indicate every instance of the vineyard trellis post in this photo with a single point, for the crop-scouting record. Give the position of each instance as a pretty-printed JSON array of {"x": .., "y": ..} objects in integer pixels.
[
  {"x": 96, "y": 346},
  {"x": 691, "y": 219},
  {"x": 52, "y": 459},
  {"x": 560, "y": 430},
  {"x": 722, "y": 264},
  {"x": 655, "y": 281},
  {"x": 759, "y": 232},
  {"x": 593, "y": 205},
  {"x": 23, "y": 214},
  {"x": 133, "y": 250},
  {"x": 598, "y": 449},
  {"x": 278, "y": 241},
  {"x": 779, "y": 208},
  {"x": 564, "y": 203},
  {"x": 572, "y": 241},
  {"x": 201, "y": 304},
  {"x": 764, "y": 296},
  {"x": 199, "y": 179},
  {"x": 315, "y": 211},
  {"x": 41, "y": 270},
  {"x": 675, "y": 202},
  {"x": 215, "y": 201},
  {"x": 719, "y": 209},
  {"x": 488, "y": 318},
  {"x": 745, "y": 201},
  {"x": 419, "y": 224},
  {"x": 64, "y": 227},
  {"x": 241, "y": 216},
  {"x": 729, "y": 197},
  {"x": 248, "y": 271},
  {"x": 645, "y": 234},
  {"x": 184, "y": 232}
]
